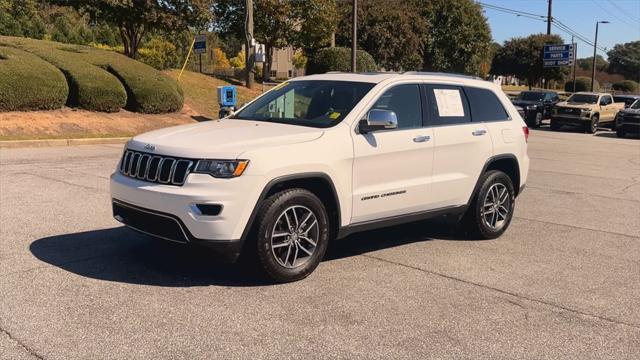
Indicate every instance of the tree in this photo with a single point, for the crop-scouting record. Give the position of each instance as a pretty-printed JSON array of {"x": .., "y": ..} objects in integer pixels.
[
  {"x": 279, "y": 23},
  {"x": 315, "y": 21},
  {"x": 586, "y": 63},
  {"x": 459, "y": 35},
  {"x": 273, "y": 28},
  {"x": 522, "y": 57},
  {"x": 624, "y": 59},
  {"x": 21, "y": 18},
  {"x": 394, "y": 33},
  {"x": 134, "y": 18}
]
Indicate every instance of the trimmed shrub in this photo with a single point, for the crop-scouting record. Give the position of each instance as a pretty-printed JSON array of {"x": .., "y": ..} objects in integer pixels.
[
  {"x": 104, "y": 80},
  {"x": 148, "y": 90},
  {"x": 90, "y": 87},
  {"x": 22, "y": 88},
  {"x": 626, "y": 86},
  {"x": 583, "y": 83},
  {"x": 339, "y": 59}
]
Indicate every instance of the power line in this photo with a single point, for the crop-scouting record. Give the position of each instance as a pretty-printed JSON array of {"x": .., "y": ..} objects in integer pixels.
[
  {"x": 496, "y": 7},
  {"x": 561, "y": 26},
  {"x": 611, "y": 13},
  {"x": 623, "y": 11},
  {"x": 554, "y": 21}
]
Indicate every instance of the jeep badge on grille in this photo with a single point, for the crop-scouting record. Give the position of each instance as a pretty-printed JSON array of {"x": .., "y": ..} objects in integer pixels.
[{"x": 149, "y": 147}]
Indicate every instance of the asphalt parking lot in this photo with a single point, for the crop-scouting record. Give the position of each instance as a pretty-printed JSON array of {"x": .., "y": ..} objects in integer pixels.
[{"x": 563, "y": 282}]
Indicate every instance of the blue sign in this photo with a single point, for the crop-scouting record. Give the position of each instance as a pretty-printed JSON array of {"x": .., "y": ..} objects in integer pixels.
[
  {"x": 200, "y": 44},
  {"x": 555, "y": 55},
  {"x": 556, "y": 63},
  {"x": 558, "y": 48}
]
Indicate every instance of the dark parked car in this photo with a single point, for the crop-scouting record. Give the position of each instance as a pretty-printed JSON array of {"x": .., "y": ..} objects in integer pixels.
[
  {"x": 537, "y": 105},
  {"x": 626, "y": 99},
  {"x": 628, "y": 120}
]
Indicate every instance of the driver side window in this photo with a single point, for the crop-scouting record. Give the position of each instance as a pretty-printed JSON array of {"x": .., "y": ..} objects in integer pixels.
[
  {"x": 605, "y": 100},
  {"x": 405, "y": 101}
]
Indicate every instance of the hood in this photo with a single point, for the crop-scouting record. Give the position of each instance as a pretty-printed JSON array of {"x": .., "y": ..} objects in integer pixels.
[
  {"x": 222, "y": 139},
  {"x": 525, "y": 103},
  {"x": 630, "y": 111},
  {"x": 575, "y": 105}
]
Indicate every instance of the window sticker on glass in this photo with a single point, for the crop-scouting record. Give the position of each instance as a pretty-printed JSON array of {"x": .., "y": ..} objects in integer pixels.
[
  {"x": 334, "y": 115},
  {"x": 449, "y": 102}
]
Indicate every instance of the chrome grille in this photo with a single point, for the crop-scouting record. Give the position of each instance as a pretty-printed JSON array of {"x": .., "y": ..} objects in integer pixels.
[
  {"x": 155, "y": 168},
  {"x": 569, "y": 111}
]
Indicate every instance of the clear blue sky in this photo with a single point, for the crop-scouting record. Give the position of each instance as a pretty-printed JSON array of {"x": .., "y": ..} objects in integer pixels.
[{"x": 580, "y": 15}]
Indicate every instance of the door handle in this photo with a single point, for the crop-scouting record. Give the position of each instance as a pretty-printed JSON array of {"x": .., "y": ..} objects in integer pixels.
[
  {"x": 479, "y": 132},
  {"x": 422, "y": 138}
]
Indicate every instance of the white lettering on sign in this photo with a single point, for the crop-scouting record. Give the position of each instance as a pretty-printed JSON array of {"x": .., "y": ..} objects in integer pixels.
[{"x": 449, "y": 102}]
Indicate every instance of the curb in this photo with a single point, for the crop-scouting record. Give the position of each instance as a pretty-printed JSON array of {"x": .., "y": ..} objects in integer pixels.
[{"x": 9, "y": 144}]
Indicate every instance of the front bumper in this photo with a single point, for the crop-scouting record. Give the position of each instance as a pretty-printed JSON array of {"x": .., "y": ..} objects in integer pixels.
[
  {"x": 630, "y": 127},
  {"x": 170, "y": 212},
  {"x": 577, "y": 120},
  {"x": 170, "y": 227}
]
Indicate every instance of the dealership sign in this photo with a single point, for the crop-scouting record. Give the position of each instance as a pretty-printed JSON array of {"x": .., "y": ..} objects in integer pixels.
[{"x": 558, "y": 55}]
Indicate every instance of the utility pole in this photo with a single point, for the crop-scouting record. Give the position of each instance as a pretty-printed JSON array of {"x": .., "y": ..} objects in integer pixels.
[
  {"x": 549, "y": 18},
  {"x": 575, "y": 61},
  {"x": 249, "y": 56},
  {"x": 354, "y": 37},
  {"x": 595, "y": 45}
]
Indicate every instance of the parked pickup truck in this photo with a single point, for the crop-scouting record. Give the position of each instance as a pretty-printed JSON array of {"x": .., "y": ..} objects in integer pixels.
[{"x": 586, "y": 109}]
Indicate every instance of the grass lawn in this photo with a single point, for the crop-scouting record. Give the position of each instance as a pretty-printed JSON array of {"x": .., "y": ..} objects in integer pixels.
[
  {"x": 200, "y": 92},
  {"x": 200, "y": 103}
]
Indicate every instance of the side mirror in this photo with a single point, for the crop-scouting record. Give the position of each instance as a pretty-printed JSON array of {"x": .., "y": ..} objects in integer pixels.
[{"x": 378, "y": 119}]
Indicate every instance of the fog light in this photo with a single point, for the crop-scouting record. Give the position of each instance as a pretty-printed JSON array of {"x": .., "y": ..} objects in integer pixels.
[{"x": 209, "y": 209}]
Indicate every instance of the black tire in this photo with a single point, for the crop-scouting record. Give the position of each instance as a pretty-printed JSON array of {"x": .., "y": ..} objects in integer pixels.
[
  {"x": 592, "y": 126},
  {"x": 477, "y": 220},
  {"x": 620, "y": 132},
  {"x": 537, "y": 120},
  {"x": 270, "y": 219},
  {"x": 555, "y": 125}
]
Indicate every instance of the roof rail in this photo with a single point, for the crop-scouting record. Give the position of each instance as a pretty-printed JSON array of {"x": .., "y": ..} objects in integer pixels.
[
  {"x": 441, "y": 74},
  {"x": 363, "y": 72}
]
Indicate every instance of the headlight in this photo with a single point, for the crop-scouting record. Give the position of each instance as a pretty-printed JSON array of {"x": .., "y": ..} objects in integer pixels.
[
  {"x": 222, "y": 168},
  {"x": 531, "y": 107}
]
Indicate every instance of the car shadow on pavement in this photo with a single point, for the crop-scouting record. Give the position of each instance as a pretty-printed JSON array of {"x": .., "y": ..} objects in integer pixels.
[{"x": 123, "y": 255}]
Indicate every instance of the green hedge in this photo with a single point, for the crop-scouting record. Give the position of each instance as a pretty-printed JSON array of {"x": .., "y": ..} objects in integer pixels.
[
  {"x": 104, "y": 80},
  {"x": 22, "y": 88},
  {"x": 90, "y": 87},
  {"x": 148, "y": 90},
  {"x": 583, "y": 83},
  {"x": 339, "y": 59},
  {"x": 626, "y": 86}
]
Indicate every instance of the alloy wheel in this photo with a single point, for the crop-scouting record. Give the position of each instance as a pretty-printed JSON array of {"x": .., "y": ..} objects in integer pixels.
[
  {"x": 294, "y": 237},
  {"x": 496, "y": 206}
]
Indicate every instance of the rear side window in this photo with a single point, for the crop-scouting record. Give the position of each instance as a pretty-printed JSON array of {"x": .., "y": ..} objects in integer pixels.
[
  {"x": 447, "y": 105},
  {"x": 485, "y": 105}
]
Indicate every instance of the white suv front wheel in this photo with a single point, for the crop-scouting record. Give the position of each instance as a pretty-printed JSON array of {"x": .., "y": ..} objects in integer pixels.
[
  {"x": 491, "y": 209},
  {"x": 292, "y": 236}
]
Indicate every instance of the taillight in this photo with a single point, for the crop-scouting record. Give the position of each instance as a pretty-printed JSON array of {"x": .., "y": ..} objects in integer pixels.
[{"x": 525, "y": 130}]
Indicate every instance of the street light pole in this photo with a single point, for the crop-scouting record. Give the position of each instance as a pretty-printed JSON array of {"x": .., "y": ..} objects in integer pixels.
[
  {"x": 354, "y": 36},
  {"x": 595, "y": 45}
]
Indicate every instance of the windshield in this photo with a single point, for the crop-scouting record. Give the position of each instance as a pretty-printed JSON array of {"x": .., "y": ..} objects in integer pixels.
[
  {"x": 627, "y": 100},
  {"x": 583, "y": 98},
  {"x": 315, "y": 103},
  {"x": 635, "y": 105},
  {"x": 530, "y": 96}
]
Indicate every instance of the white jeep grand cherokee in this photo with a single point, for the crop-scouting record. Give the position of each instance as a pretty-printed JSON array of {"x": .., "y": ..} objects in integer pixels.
[{"x": 323, "y": 156}]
